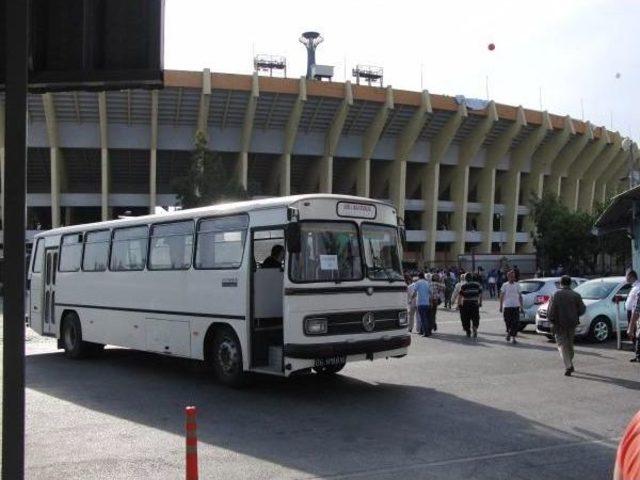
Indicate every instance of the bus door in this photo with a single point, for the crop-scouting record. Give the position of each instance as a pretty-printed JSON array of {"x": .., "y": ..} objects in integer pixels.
[
  {"x": 35, "y": 285},
  {"x": 49, "y": 296},
  {"x": 267, "y": 277}
]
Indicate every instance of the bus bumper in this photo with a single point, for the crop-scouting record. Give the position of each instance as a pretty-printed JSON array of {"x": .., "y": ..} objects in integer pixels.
[{"x": 323, "y": 350}]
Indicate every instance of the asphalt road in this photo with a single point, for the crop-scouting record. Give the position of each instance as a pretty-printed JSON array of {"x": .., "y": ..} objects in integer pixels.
[{"x": 452, "y": 409}]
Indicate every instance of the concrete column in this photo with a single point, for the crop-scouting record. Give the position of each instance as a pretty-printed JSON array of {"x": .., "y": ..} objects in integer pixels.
[
  {"x": 322, "y": 171},
  {"x": 369, "y": 142},
  {"x": 545, "y": 157},
  {"x": 487, "y": 177},
  {"x": 205, "y": 102},
  {"x": 601, "y": 191},
  {"x": 242, "y": 166},
  {"x": 326, "y": 175},
  {"x": 460, "y": 180},
  {"x": 281, "y": 177},
  {"x": 431, "y": 180},
  {"x": 567, "y": 156},
  {"x": 587, "y": 192},
  {"x": 55, "y": 158},
  {"x": 153, "y": 158},
  {"x": 570, "y": 188},
  {"x": 404, "y": 146},
  {"x": 519, "y": 157},
  {"x": 104, "y": 156}
]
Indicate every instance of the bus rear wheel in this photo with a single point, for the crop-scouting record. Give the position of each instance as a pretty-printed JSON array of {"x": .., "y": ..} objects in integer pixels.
[
  {"x": 74, "y": 346},
  {"x": 227, "y": 358},
  {"x": 329, "y": 369}
]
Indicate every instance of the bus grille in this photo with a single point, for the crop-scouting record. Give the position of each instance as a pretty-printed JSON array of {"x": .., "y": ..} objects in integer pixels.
[{"x": 350, "y": 323}]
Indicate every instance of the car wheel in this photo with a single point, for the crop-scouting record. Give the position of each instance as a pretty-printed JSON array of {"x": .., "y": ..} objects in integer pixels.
[
  {"x": 551, "y": 337},
  {"x": 600, "y": 329},
  {"x": 74, "y": 346},
  {"x": 329, "y": 369},
  {"x": 227, "y": 358}
]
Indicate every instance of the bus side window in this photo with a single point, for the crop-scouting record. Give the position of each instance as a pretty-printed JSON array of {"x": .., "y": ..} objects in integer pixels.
[
  {"x": 38, "y": 257},
  {"x": 129, "y": 249},
  {"x": 220, "y": 242}
]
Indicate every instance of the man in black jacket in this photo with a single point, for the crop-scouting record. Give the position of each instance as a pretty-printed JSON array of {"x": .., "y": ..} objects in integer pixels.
[{"x": 565, "y": 308}]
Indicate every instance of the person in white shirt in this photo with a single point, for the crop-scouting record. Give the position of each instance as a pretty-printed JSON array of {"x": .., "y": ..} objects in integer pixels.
[
  {"x": 510, "y": 305},
  {"x": 629, "y": 305},
  {"x": 411, "y": 304}
]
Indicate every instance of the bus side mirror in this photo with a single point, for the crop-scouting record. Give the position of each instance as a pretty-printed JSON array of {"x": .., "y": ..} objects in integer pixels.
[
  {"x": 292, "y": 237},
  {"x": 402, "y": 232}
]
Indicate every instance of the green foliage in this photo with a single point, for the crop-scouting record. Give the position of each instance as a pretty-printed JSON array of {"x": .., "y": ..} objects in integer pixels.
[
  {"x": 563, "y": 237},
  {"x": 208, "y": 180}
]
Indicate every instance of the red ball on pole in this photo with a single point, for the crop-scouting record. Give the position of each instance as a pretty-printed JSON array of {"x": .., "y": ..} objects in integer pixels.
[{"x": 491, "y": 46}]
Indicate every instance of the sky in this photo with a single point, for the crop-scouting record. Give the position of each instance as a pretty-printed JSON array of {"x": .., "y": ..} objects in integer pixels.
[{"x": 564, "y": 56}]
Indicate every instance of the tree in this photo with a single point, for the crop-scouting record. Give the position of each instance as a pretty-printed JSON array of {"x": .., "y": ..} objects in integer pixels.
[
  {"x": 563, "y": 237},
  {"x": 208, "y": 180},
  {"x": 566, "y": 238}
]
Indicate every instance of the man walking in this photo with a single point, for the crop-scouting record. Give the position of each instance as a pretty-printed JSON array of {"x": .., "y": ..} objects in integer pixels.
[
  {"x": 565, "y": 307},
  {"x": 423, "y": 302},
  {"x": 411, "y": 304},
  {"x": 470, "y": 301},
  {"x": 630, "y": 303},
  {"x": 510, "y": 305}
]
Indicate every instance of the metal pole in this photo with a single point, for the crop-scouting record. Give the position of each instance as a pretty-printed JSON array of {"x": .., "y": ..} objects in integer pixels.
[
  {"x": 17, "y": 28},
  {"x": 618, "y": 335}
]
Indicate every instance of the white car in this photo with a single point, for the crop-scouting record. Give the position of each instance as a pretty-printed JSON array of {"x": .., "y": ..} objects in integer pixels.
[
  {"x": 602, "y": 297},
  {"x": 536, "y": 292}
]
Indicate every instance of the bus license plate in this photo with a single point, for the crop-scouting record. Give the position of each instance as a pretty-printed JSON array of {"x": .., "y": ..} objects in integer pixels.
[{"x": 330, "y": 361}]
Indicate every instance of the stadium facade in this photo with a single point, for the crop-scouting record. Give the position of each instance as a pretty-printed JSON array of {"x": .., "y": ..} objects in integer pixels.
[{"x": 462, "y": 178}]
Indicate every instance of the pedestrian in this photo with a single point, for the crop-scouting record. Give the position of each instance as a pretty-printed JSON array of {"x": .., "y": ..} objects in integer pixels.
[
  {"x": 516, "y": 271},
  {"x": 437, "y": 292},
  {"x": 511, "y": 305},
  {"x": 455, "y": 296},
  {"x": 633, "y": 332},
  {"x": 423, "y": 303},
  {"x": 491, "y": 282},
  {"x": 449, "y": 283},
  {"x": 411, "y": 304},
  {"x": 565, "y": 308},
  {"x": 471, "y": 301}
]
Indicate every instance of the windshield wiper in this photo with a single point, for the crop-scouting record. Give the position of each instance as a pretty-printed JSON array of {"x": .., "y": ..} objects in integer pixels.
[{"x": 383, "y": 270}]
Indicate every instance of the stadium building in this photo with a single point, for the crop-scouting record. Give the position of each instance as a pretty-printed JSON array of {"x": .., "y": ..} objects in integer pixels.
[{"x": 461, "y": 177}]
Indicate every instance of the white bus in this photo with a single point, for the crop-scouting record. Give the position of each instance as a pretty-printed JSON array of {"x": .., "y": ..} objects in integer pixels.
[{"x": 196, "y": 284}]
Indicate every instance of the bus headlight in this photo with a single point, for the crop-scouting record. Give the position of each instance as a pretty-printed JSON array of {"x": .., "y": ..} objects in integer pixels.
[
  {"x": 315, "y": 326},
  {"x": 402, "y": 318}
]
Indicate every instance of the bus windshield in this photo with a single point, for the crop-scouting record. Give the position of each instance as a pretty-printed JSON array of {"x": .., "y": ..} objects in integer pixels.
[
  {"x": 381, "y": 252},
  {"x": 329, "y": 251}
]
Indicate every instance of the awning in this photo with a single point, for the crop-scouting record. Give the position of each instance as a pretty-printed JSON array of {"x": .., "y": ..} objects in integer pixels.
[{"x": 618, "y": 216}]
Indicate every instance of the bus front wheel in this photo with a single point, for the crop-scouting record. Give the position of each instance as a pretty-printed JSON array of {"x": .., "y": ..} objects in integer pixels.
[{"x": 227, "y": 358}]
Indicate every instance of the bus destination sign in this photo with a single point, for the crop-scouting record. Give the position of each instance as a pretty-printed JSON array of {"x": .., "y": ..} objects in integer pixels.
[{"x": 356, "y": 210}]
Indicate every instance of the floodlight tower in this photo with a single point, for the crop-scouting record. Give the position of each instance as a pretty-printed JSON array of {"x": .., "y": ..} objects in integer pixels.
[{"x": 311, "y": 40}]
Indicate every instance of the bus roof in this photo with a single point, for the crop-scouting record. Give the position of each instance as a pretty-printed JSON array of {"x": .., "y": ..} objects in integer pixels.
[{"x": 222, "y": 209}]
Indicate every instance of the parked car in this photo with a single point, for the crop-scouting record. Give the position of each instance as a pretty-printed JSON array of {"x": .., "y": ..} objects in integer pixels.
[
  {"x": 600, "y": 296},
  {"x": 536, "y": 292}
]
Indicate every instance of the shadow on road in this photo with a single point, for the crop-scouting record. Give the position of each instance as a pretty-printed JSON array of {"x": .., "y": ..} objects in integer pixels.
[{"x": 327, "y": 426}]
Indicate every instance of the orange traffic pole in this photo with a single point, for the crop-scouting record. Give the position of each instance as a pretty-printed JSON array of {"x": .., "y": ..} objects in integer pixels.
[{"x": 192, "y": 444}]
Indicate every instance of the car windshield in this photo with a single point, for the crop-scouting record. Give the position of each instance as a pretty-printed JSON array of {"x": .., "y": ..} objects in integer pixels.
[
  {"x": 381, "y": 252},
  {"x": 529, "y": 286},
  {"x": 329, "y": 251},
  {"x": 595, "y": 289}
]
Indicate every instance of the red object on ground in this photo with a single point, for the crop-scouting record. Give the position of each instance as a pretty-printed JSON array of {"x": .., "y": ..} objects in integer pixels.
[
  {"x": 491, "y": 46},
  {"x": 628, "y": 457},
  {"x": 192, "y": 444}
]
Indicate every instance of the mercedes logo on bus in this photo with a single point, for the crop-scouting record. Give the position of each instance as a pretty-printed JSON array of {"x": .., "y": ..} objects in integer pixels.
[{"x": 368, "y": 322}]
